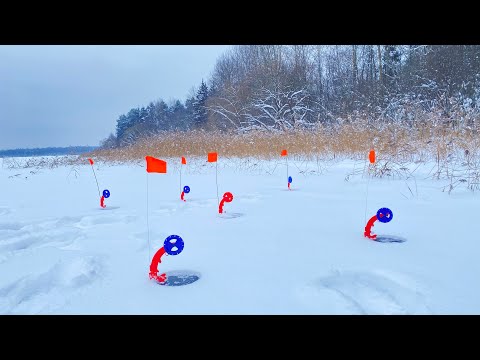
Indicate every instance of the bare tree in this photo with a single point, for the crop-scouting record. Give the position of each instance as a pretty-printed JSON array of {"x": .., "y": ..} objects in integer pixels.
[
  {"x": 354, "y": 66},
  {"x": 230, "y": 108},
  {"x": 279, "y": 110}
]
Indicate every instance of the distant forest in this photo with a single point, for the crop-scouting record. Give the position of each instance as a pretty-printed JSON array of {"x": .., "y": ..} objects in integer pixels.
[
  {"x": 280, "y": 88},
  {"x": 49, "y": 151}
]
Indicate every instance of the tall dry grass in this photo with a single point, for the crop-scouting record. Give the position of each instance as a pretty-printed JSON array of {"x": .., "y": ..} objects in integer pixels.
[
  {"x": 454, "y": 151},
  {"x": 401, "y": 149},
  {"x": 392, "y": 141}
]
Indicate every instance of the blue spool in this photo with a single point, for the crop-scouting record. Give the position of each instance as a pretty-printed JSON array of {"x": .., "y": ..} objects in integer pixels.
[
  {"x": 186, "y": 189},
  {"x": 289, "y": 179},
  {"x": 106, "y": 194},
  {"x": 384, "y": 215},
  {"x": 178, "y": 244}
]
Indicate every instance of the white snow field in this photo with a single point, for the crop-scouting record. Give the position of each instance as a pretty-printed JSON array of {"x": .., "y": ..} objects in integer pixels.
[{"x": 274, "y": 251}]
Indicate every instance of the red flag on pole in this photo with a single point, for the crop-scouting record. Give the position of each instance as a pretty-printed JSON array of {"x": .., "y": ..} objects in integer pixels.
[
  {"x": 284, "y": 153},
  {"x": 212, "y": 157},
  {"x": 184, "y": 161},
  {"x": 91, "y": 161},
  {"x": 156, "y": 165},
  {"x": 371, "y": 156}
]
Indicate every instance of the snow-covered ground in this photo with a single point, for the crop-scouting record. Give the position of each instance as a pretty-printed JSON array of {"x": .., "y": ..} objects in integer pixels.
[{"x": 274, "y": 251}]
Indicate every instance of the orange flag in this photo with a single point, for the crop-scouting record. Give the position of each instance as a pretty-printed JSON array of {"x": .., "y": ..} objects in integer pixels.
[
  {"x": 212, "y": 157},
  {"x": 156, "y": 165},
  {"x": 371, "y": 156},
  {"x": 91, "y": 161},
  {"x": 284, "y": 153},
  {"x": 184, "y": 161}
]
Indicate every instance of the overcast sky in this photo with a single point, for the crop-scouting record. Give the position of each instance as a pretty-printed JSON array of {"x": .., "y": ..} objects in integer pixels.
[{"x": 72, "y": 95}]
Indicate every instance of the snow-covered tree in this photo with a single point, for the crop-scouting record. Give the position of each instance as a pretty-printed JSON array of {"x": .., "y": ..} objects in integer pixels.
[
  {"x": 176, "y": 112},
  {"x": 280, "y": 110},
  {"x": 200, "y": 114},
  {"x": 229, "y": 110}
]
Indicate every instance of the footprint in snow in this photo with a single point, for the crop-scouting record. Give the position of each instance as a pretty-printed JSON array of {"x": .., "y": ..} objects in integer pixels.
[
  {"x": 50, "y": 290},
  {"x": 368, "y": 293}
]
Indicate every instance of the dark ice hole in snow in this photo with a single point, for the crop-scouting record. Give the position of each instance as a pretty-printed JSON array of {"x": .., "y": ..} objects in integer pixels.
[
  {"x": 180, "y": 278},
  {"x": 390, "y": 239},
  {"x": 228, "y": 215}
]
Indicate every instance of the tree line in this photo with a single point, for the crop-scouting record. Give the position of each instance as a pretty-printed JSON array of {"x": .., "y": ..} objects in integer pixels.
[
  {"x": 285, "y": 87},
  {"x": 48, "y": 151}
]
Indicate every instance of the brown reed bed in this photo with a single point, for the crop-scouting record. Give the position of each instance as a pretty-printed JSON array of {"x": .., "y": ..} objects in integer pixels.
[{"x": 393, "y": 141}]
